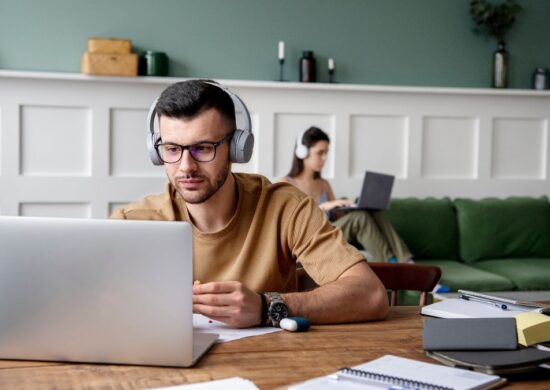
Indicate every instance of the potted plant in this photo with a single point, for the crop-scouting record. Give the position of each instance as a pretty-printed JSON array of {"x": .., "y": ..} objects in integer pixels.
[{"x": 496, "y": 21}]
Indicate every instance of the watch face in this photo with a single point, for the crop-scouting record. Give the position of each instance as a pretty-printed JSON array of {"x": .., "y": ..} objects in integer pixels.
[{"x": 278, "y": 311}]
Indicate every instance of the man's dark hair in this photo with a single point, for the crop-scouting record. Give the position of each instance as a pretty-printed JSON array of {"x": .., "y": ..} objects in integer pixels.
[{"x": 188, "y": 99}]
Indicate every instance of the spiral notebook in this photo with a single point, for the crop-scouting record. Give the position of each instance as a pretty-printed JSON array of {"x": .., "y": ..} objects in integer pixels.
[{"x": 393, "y": 372}]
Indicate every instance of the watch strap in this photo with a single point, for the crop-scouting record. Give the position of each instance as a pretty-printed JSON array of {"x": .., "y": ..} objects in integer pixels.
[
  {"x": 274, "y": 297},
  {"x": 265, "y": 310}
]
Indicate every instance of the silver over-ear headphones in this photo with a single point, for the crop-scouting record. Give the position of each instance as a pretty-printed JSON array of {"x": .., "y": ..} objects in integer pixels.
[
  {"x": 240, "y": 146},
  {"x": 301, "y": 149}
]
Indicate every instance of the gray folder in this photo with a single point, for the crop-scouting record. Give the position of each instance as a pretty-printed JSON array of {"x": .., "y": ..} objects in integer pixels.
[
  {"x": 494, "y": 362},
  {"x": 462, "y": 334}
]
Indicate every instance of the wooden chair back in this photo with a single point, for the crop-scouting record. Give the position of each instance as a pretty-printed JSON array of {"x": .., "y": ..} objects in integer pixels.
[
  {"x": 395, "y": 277},
  {"x": 416, "y": 277}
]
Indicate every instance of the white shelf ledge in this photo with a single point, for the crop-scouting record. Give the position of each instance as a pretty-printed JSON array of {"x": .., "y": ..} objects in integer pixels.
[{"x": 276, "y": 84}]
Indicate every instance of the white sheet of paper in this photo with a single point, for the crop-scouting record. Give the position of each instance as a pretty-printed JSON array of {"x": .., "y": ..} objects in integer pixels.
[
  {"x": 460, "y": 308},
  {"x": 204, "y": 324},
  {"x": 234, "y": 383}
]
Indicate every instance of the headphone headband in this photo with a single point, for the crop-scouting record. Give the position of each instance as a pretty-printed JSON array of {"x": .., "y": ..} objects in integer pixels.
[
  {"x": 241, "y": 144},
  {"x": 239, "y": 105}
]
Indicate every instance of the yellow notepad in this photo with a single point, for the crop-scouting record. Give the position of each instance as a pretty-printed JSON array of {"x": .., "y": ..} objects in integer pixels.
[{"x": 532, "y": 328}]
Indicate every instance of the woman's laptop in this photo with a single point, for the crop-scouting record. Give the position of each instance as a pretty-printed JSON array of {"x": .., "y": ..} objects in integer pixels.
[
  {"x": 375, "y": 193},
  {"x": 101, "y": 291}
]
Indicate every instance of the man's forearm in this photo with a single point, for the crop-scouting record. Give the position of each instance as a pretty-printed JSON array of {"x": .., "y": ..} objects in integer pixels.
[{"x": 352, "y": 298}]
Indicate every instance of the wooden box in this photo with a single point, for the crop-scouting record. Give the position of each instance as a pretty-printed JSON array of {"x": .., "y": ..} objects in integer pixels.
[
  {"x": 109, "y": 64},
  {"x": 109, "y": 45}
]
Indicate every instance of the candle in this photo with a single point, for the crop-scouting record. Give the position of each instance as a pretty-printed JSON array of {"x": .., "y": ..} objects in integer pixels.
[
  {"x": 281, "y": 50},
  {"x": 330, "y": 64}
]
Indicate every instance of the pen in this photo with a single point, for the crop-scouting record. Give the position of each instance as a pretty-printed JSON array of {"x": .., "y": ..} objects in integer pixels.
[
  {"x": 501, "y": 306},
  {"x": 509, "y": 301}
]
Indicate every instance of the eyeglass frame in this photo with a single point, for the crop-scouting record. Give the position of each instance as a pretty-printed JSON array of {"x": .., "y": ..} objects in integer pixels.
[{"x": 187, "y": 147}]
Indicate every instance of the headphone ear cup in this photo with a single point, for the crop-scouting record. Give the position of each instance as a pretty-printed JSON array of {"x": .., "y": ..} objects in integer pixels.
[
  {"x": 241, "y": 146},
  {"x": 301, "y": 150},
  {"x": 152, "y": 139},
  {"x": 152, "y": 136}
]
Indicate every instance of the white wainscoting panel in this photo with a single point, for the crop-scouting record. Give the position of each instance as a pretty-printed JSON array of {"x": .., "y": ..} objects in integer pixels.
[
  {"x": 63, "y": 210},
  {"x": 379, "y": 142},
  {"x": 450, "y": 148},
  {"x": 55, "y": 141},
  {"x": 128, "y": 151},
  {"x": 520, "y": 148},
  {"x": 74, "y": 145}
]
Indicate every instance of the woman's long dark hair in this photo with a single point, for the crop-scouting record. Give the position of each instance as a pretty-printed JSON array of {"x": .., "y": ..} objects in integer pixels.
[{"x": 310, "y": 138}]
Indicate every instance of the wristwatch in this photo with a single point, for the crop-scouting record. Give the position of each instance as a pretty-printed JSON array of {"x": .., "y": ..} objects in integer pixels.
[{"x": 277, "y": 309}]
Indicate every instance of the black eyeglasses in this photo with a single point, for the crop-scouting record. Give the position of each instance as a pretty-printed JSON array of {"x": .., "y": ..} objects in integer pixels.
[{"x": 171, "y": 153}]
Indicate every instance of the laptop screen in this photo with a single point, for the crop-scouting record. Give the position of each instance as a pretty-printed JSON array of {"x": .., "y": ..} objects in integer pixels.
[{"x": 376, "y": 191}]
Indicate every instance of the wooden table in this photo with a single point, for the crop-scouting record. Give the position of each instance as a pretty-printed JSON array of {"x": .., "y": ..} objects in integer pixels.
[{"x": 273, "y": 360}]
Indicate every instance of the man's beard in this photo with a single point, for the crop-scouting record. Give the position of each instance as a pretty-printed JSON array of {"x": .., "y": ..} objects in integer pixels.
[{"x": 196, "y": 197}]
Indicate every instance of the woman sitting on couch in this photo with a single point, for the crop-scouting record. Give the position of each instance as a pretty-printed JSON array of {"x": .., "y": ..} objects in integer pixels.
[{"x": 370, "y": 230}]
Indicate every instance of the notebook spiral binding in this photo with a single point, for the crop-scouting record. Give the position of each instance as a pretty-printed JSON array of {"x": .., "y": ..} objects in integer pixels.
[{"x": 394, "y": 380}]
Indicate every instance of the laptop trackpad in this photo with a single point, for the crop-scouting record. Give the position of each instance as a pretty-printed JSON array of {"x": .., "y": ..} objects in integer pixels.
[{"x": 202, "y": 343}]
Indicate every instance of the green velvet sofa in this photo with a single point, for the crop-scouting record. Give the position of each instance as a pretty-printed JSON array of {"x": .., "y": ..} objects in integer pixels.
[{"x": 481, "y": 245}]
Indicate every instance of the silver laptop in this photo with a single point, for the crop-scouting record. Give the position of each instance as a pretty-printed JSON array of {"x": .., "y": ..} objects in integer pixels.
[{"x": 101, "y": 291}]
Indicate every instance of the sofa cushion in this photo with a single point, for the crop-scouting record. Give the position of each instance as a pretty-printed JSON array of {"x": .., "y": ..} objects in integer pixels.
[
  {"x": 526, "y": 274},
  {"x": 456, "y": 275},
  {"x": 503, "y": 228},
  {"x": 428, "y": 226}
]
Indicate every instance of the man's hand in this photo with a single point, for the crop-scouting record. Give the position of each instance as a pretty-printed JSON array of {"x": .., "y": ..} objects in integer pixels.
[{"x": 229, "y": 302}]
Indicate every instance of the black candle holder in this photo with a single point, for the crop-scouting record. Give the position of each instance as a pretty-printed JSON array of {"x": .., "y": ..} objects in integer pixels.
[
  {"x": 331, "y": 76},
  {"x": 281, "y": 67}
]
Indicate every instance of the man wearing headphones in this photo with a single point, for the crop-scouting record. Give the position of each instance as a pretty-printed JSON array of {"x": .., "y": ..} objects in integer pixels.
[{"x": 248, "y": 233}]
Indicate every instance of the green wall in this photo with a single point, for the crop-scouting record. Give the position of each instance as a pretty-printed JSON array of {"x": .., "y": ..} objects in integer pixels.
[{"x": 391, "y": 42}]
